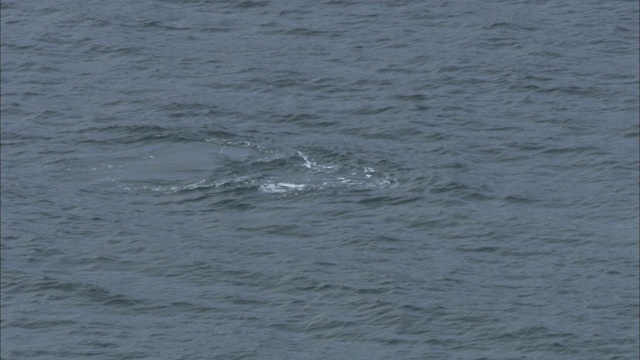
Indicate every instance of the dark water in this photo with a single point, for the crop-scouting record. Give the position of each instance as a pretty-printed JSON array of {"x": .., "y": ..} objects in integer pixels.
[{"x": 188, "y": 179}]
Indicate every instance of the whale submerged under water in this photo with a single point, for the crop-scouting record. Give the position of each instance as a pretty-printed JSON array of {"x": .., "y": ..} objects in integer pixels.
[{"x": 191, "y": 165}]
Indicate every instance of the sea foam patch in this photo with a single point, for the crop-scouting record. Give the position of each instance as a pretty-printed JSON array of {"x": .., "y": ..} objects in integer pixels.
[
  {"x": 312, "y": 175},
  {"x": 279, "y": 188}
]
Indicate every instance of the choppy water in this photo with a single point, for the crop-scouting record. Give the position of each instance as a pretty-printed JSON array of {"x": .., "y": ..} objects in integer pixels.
[{"x": 187, "y": 179}]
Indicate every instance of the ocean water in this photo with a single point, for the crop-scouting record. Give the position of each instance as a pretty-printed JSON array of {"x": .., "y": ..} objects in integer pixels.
[{"x": 192, "y": 179}]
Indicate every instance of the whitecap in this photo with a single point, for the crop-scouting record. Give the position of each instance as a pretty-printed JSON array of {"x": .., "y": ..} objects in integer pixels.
[{"x": 278, "y": 188}]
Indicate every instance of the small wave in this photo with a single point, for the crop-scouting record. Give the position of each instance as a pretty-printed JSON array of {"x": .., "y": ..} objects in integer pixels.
[{"x": 203, "y": 184}]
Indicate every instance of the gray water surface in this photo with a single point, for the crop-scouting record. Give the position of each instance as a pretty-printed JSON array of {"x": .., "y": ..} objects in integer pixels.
[{"x": 187, "y": 179}]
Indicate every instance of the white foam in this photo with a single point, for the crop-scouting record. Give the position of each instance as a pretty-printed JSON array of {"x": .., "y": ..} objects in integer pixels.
[
  {"x": 278, "y": 188},
  {"x": 308, "y": 163}
]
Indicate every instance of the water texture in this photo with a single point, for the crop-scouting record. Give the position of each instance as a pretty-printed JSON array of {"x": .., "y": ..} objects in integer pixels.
[{"x": 192, "y": 179}]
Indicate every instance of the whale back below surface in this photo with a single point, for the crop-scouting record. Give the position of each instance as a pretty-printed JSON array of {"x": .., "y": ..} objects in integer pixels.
[
  {"x": 182, "y": 161},
  {"x": 189, "y": 165}
]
